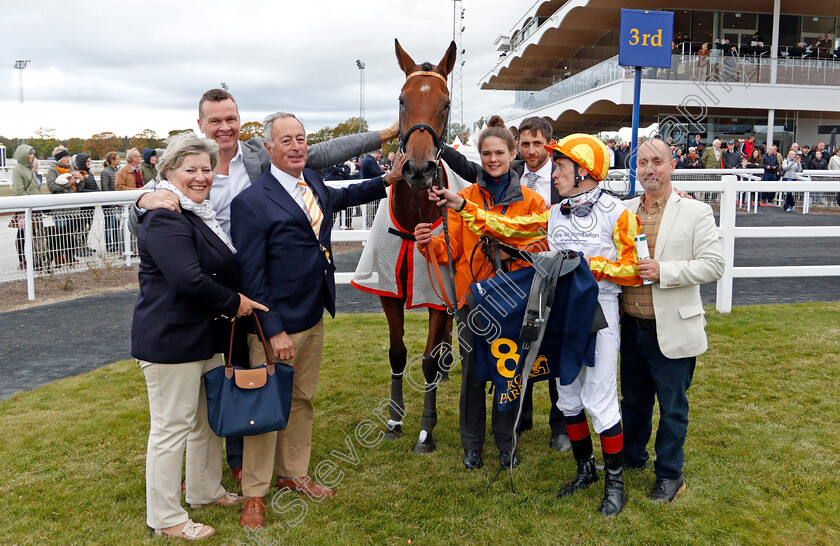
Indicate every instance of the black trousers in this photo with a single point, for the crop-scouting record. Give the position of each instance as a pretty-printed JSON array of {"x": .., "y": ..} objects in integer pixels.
[
  {"x": 556, "y": 420},
  {"x": 473, "y": 404}
]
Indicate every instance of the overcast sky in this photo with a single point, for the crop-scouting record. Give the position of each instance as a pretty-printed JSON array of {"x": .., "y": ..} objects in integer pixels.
[{"x": 124, "y": 67}]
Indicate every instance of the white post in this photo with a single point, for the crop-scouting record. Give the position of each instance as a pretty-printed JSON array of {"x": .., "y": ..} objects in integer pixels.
[
  {"x": 806, "y": 202},
  {"x": 29, "y": 255},
  {"x": 727, "y": 229},
  {"x": 364, "y": 217},
  {"x": 774, "y": 46},
  {"x": 771, "y": 121},
  {"x": 126, "y": 236}
]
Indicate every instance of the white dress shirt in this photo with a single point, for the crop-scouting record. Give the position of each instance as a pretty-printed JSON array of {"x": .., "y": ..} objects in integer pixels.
[
  {"x": 543, "y": 185},
  {"x": 289, "y": 184},
  {"x": 227, "y": 186}
]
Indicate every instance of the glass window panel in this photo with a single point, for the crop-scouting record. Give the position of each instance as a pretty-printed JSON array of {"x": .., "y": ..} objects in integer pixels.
[
  {"x": 702, "y": 26},
  {"x": 788, "y": 30},
  {"x": 739, "y": 20},
  {"x": 821, "y": 25}
]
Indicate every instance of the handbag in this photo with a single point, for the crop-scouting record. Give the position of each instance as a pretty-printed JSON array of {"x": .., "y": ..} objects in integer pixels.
[{"x": 248, "y": 401}]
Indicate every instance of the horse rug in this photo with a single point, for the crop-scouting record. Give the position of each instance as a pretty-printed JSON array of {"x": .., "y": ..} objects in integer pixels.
[{"x": 378, "y": 270}]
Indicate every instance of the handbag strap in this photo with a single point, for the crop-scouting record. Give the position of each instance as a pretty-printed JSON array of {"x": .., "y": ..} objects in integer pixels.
[{"x": 269, "y": 362}]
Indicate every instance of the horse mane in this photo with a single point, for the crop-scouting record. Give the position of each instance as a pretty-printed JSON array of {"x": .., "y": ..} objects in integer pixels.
[{"x": 427, "y": 67}]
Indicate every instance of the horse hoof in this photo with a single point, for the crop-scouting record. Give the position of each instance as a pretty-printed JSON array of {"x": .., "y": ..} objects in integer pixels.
[
  {"x": 394, "y": 433},
  {"x": 426, "y": 446}
]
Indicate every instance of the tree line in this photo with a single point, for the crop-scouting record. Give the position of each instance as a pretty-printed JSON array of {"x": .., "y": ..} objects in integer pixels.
[{"x": 97, "y": 146}]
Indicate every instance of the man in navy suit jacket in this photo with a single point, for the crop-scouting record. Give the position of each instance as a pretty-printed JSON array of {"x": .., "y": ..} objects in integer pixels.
[{"x": 285, "y": 261}]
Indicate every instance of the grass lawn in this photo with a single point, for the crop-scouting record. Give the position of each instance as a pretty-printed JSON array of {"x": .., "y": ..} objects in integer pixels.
[{"x": 762, "y": 455}]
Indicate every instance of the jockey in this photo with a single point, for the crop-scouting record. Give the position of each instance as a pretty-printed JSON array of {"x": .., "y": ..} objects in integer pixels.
[{"x": 598, "y": 225}]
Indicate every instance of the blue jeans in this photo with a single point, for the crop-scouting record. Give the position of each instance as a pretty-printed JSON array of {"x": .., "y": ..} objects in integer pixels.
[{"x": 647, "y": 373}]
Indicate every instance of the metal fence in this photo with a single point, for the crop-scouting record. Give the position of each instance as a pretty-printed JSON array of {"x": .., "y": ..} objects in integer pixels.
[
  {"x": 42, "y": 235},
  {"x": 618, "y": 181}
]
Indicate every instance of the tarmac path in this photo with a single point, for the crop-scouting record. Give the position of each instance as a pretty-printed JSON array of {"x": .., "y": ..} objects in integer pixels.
[{"x": 42, "y": 344}]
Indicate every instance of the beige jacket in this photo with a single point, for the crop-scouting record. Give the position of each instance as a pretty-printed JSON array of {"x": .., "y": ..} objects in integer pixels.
[{"x": 689, "y": 254}]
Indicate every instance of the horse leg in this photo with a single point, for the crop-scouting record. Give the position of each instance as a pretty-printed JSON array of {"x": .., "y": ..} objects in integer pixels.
[
  {"x": 397, "y": 353},
  {"x": 436, "y": 359}
]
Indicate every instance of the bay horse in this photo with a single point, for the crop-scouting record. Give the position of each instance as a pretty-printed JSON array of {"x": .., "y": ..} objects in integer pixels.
[{"x": 423, "y": 115}]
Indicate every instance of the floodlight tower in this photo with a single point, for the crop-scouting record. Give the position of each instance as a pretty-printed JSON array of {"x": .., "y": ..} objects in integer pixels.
[
  {"x": 456, "y": 93},
  {"x": 19, "y": 66},
  {"x": 361, "y": 67}
]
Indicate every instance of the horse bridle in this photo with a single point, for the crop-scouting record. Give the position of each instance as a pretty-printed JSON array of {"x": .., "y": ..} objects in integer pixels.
[{"x": 438, "y": 140}]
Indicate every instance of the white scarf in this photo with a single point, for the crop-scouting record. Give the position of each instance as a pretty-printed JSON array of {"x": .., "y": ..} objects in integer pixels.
[{"x": 203, "y": 210}]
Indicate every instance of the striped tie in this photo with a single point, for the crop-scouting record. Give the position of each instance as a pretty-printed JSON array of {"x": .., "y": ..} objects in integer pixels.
[{"x": 313, "y": 211}]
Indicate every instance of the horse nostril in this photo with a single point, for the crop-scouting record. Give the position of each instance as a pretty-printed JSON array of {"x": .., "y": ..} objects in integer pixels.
[
  {"x": 409, "y": 169},
  {"x": 429, "y": 169}
]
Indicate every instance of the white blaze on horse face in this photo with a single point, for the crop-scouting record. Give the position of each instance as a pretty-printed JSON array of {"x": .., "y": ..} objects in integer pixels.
[{"x": 425, "y": 89}]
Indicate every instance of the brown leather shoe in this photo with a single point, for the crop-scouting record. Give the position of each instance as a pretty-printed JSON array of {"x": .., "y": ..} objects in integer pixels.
[
  {"x": 305, "y": 486},
  {"x": 253, "y": 513}
]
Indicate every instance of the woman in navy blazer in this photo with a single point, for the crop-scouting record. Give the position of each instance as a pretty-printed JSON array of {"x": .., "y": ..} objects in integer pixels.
[{"x": 188, "y": 292}]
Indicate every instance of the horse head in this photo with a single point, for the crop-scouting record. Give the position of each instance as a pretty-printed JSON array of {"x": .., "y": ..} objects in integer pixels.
[{"x": 424, "y": 112}]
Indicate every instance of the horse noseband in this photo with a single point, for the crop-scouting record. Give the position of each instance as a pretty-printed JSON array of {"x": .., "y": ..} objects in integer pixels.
[{"x": 423, "y": 127}]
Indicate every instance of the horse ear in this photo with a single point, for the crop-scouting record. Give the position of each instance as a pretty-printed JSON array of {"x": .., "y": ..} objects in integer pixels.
[
  {"x": 405, "y": 61},
  {"x": 448, "y": 62}
]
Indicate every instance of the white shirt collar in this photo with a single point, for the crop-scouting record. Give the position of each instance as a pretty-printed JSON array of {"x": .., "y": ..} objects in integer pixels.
[
  {"x": 543, "y": 172},
  {"x": 238, "y": 156},
  {"x": 286, "y": 180}
]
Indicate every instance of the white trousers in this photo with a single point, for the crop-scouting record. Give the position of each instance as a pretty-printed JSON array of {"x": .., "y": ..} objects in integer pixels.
[
  {"x": 178, "y": 411},
  {"x": 596, "y": 389}
]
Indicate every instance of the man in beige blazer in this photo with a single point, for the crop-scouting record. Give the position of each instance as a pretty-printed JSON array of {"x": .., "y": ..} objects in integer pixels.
[{"x": 663, "y": 326}]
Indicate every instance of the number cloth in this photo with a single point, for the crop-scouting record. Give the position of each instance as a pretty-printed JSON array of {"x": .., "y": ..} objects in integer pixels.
[{"x": 497, "y": 308}]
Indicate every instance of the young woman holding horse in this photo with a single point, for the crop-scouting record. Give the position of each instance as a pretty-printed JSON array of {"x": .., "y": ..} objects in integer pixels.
[{"x": 495, "y": 187}]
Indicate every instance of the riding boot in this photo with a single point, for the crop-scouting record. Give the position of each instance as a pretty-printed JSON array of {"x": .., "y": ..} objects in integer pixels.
[
  {"x": 614, "y": 498},
  {"x": 581, "y": 441}
]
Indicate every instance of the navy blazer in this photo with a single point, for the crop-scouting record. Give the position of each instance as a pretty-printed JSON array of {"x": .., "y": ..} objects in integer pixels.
[
  {"x": 188, "y": 287},
  {"x": 281, "y": 263}
]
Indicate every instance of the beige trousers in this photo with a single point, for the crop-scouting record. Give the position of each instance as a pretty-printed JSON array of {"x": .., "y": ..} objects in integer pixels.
[
  {"x": 289, "y": 449},
  {"x": 178, "y": 411}
]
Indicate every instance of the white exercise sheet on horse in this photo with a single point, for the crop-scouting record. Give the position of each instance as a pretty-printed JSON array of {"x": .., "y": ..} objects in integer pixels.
[{"x": 377, "y": 270}]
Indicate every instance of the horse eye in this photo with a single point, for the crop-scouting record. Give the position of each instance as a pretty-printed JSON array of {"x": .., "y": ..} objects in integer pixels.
[{"x": 401, "y": 102}]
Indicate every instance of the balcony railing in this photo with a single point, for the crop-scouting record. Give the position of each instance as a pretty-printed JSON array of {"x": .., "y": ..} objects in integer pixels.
[{"x": 754, "y": 69}]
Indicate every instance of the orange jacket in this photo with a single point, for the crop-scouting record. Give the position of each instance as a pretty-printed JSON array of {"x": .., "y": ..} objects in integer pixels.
[{"x": 517, "y": 201}]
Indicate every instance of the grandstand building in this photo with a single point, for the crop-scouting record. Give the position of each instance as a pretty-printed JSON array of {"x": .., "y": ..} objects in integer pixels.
[{"x": 773, "y": 69}]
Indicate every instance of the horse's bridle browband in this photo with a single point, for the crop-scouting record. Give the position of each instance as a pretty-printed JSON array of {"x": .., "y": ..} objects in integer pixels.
[
  {"x": 428, "y": 73},
  {"x": 437, "y": 140}
]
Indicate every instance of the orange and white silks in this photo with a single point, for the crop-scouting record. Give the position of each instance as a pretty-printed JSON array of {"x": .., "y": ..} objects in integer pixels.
[{"x": 605, "y": 236}]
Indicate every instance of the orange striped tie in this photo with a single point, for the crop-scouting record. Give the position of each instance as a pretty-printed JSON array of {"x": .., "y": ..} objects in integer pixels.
[{"x": 313, "y": 211}]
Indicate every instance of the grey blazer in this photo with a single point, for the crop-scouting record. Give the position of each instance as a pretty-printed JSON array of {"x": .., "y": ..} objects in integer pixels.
[{"x": 319, "y": 156}]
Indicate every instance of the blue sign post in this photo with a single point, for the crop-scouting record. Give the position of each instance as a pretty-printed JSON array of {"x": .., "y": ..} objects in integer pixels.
[{"x": 645, "y": 41}]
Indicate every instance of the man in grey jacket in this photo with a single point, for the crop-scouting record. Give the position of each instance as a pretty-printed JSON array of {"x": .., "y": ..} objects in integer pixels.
[{"x": 242, "y": 163}]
